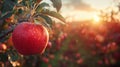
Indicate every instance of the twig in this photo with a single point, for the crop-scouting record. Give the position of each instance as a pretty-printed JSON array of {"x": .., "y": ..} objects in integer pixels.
[{"x": 3, "y": 34}]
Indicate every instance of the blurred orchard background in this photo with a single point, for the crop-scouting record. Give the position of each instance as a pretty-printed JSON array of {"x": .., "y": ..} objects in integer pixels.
[{"x": 89, "y": 38}]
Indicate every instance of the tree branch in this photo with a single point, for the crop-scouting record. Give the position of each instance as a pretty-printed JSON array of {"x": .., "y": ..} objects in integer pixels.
[{"x": 5, "y": 33}]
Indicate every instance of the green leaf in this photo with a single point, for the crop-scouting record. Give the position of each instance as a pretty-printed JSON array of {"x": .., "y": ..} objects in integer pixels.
[
  {"x": 26, "y": 3},
  {"x": 6, "y": 15},
  {"x": 57, "y": 4},
  {"x": 12, "y": 55},
  {"x": 31, "y": 3},
  {"x": 8, "y": 5},
  {"x": 3, "y": 57},
  {"x": 40, "y": 20},
  {"x": 53, "y": 14},
  {"x": 40, "y": 6},
  {"x": 15, "y": 1},
  {"x": 23, "y": 2},
  {"x": 5, "y": 38},
  {"x": 47, "y": 19},
  {"x": 4, "y": 35},
  {"x": 20, "y": 11}
]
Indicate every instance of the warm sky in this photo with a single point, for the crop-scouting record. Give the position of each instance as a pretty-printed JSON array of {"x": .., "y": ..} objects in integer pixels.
[
  {"x": 83, "y": 9},
  {"x": 79, "y": 10}
]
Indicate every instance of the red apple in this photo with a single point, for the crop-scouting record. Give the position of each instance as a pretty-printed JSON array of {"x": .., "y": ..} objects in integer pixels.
[
  {"x": 2, "y": 47},
  {"x": 49, "y": 65},
  {"x": 116, "y": 56},
  {"x": 77, "y": 55},
  {"x": 49, "y": 45},
  {"x": 106, "y": 61},
  {"x": 29, "y": 38},
  {"x": 80, "y": 61},
  {"x": 100, "y": 62},
  {"x": 46, "y": 60},
  {"x": 51, "y": 56},
  {"x": 10, "y": 19},
  {"x": 99, "y": 38}
]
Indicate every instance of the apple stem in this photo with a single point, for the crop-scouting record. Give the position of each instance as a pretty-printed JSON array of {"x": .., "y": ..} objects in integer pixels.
[{"x": 32, "y": 10}]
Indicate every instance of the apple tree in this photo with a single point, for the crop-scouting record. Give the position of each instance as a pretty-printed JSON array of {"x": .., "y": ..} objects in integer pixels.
[{"x": 25, "y": 26}]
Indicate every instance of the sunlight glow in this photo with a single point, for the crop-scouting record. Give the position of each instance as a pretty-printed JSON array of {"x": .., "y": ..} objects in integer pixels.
[{"x": 96, "y": 19}]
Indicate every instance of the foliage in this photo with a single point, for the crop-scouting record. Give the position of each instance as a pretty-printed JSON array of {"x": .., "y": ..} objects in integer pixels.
[
  {"x": 13, "y": 12},
  {"x": 16, "y": 11}
]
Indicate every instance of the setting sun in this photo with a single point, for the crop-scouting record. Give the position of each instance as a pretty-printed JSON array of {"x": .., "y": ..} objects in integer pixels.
[{"x": 96, "y": 18}]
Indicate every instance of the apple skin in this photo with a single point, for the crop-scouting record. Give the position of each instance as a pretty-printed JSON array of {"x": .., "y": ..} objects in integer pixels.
[{"x": 29, "y": 38}]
